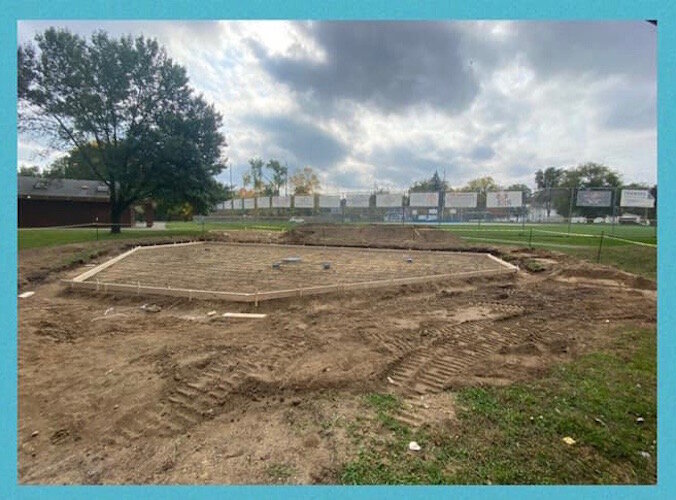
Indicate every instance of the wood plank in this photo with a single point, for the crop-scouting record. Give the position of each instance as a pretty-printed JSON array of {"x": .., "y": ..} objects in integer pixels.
[
  {"x": 105, "y": 265},
  {"x": 244, "y": 315}
]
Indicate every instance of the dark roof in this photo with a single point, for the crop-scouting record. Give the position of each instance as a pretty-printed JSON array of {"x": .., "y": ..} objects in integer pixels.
[{"x": 38, "y": 187}]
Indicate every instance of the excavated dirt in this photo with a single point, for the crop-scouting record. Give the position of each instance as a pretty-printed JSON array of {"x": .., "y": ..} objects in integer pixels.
[
  {"x": 112, "y": 393},
  {"x": 374, "y": 236}
]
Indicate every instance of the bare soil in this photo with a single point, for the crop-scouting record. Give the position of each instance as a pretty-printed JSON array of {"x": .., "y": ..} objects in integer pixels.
[
  {"x": 112, "y": 393},
  {"x": 249, "y": 268}
]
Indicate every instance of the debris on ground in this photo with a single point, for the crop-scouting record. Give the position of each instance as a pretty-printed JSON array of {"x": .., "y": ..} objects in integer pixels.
[
  {"x": 413, "y": 446},
  {"x": 35, "y": 433},
  {"x": 644, "y": 454},
  {"x": 211, "y": 313},
  {"x": 108, "y": 311},
  {"x": 244, "y": 315},
  {"x": 390, "y": 380},
  {"x": 640, "y": 420},
  {"x": 599, "y": 421},
  {"x": 152, "y": 308},
  {"x": 569, "y": 440},
  {"x": 25, "y": 295}
]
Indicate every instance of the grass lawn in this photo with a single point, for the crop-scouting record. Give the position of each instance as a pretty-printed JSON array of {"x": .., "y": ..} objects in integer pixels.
[
  {"x": 583, "y": 242},
  {"x": 515, "y": 434},
  {"x": 35, "y": 238}
]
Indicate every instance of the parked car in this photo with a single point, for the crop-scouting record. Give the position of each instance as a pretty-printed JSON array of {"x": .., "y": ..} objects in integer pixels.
[{"x": 297, "y": 220}]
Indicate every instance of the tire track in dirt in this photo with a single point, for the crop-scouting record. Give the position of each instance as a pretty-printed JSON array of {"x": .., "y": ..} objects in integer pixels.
[
  {"x": 453, "y": 350},
  {"x": 193, "y": 395}
]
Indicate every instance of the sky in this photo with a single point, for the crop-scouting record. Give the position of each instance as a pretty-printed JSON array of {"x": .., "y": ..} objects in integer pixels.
[{"x": 384, "y": 104}]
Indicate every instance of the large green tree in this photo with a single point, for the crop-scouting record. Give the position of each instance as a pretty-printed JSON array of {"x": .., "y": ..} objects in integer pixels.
[
  {"x": 128, "y": 111},
  {"x": 586, "y": 176}
]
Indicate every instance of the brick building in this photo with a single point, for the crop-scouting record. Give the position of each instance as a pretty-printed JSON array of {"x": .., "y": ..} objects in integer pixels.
[{"x": 64, "y": 202}]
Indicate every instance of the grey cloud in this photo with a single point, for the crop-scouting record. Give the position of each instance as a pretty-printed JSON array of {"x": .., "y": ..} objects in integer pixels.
[
  {"x": 402, "y": 166},
  {"x": 391, "y": 65},
  {"x": 599, "y": 48},
  {"x": 308, "y": 144},
  {"x": 630, "y": 107},
  {"x": 482, "y": 153}
]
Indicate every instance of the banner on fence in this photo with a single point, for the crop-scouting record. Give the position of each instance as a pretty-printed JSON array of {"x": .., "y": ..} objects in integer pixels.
[
  {"x": 461, "y": 200},
  {"x": 594, "y": 198},
  {"x": 304, "y": 201},
  {"x": 249, "y": 203},
  {"x": 424, "y": 199},
  {"x": 281, "y": 202},
  {"x": 329, "y": 201},
  {"x": 227, "y": 205},
  {"x": 636, "y": 198},
  {"x": 389, "y": 200},
  {"x": 504, "y": 199},
  {"x": 357, "y": 200},
  {"x": 262, "y": 202}
]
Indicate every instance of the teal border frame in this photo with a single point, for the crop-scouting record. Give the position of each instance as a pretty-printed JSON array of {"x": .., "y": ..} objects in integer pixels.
[{"x": 346, "y": 9}]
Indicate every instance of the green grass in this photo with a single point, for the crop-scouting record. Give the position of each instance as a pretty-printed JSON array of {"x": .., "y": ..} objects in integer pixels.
[
  {"x": 513, "y": 435},
  {"x": 638, "y": 259},
  {"x": 35, "y": 238},
  {"x": 234, "y": 225}
]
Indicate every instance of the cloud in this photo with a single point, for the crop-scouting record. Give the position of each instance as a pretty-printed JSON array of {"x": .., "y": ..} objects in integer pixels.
[
  {"x": 391, "y": 102},
  {"x": 307, "y": 143},
  {"x": 389, "y": 65},
  {"x": 482, "y": 153}
]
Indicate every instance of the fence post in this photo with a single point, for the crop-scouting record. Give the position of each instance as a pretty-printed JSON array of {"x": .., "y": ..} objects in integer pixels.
[
  {"x": 612, "y": 216},
  {"x": 530, "y": 239},
  {"x": 570, "y": 210},
  {"x": 598, "y": 255}
]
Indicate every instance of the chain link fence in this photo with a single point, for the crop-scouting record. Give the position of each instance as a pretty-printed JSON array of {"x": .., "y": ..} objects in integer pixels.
[{"x": 546, "y": 206}]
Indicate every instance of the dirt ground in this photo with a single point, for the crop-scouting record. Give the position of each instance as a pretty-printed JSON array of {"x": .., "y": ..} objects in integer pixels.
[
  {"x": 112, "y": 393},
  {"x": 248, "y": 267}
]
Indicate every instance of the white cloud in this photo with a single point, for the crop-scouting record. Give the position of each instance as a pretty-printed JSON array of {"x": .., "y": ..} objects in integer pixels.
[{"x": 520, "y": 110}]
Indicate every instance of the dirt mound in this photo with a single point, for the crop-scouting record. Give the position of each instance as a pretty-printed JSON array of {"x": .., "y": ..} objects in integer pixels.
[
  {"x": 585, "y": 273},
  {"x": 374, "y": 235}
]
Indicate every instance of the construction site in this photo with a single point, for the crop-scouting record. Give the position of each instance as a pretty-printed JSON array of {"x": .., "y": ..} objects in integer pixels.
[{"x": 245, "y": 357}]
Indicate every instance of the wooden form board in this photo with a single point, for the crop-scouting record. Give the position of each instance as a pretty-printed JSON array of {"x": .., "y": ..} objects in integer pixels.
[{"x": 79, "y": 282}]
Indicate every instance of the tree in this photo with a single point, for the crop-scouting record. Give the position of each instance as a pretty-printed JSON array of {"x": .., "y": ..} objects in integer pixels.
[
  {"x": 304, "y": 182},
  {"x": 433, "y": 184},
  {"x": 546, "y": 180},
  {"x": 586, "y": 176},
  {"x": 279, "y": 175},
  {"x": 128, "y": 111},
  {"x": 256, "y": 165},
  {"x": 73, "y": 165},
  {"x": 482, "y": 185},
  {"x": 26, "y": 171}
]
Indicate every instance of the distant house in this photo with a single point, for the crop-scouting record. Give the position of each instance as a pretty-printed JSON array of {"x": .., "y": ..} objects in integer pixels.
[{"x": 64, "y": 202}]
